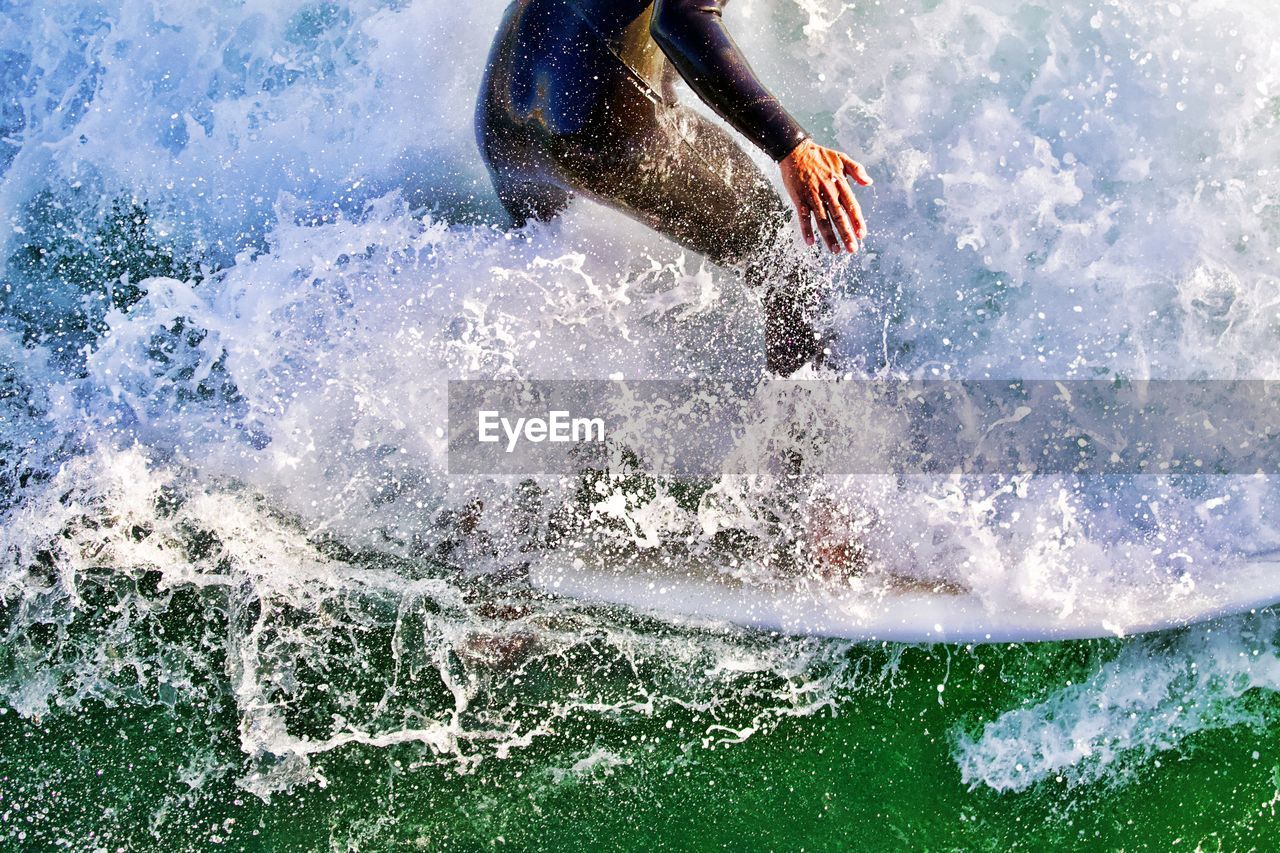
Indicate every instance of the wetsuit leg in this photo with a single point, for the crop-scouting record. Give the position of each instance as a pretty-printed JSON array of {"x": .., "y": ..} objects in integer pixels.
[
  {"x": 517, "y": 166},
  {"x": 549, "y": 128},
  {"x": 687, "y": 178},
  {"x": 526, "y": 200}
]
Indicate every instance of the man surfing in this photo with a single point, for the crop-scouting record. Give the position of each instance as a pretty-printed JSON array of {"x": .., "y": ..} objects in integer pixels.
[{"x": 578, "y": 97}]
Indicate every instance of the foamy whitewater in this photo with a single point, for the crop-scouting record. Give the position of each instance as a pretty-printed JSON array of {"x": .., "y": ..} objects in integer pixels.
[{"x": 249, "y": 243}]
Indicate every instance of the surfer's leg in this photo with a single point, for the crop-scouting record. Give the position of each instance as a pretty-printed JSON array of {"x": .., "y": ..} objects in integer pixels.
[
  {"x": 743, "y": 222},
  {"x": 724, "y": 207},
  {"x": 517, "y": 164},
  {"x": 685, "y": 177},
  {"x": 529, "y": 199},
  {"x": 513, "y": 143}
]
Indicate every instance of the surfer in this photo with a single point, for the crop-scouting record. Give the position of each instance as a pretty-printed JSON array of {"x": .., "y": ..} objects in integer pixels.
[{"x": 579, "y": 97}]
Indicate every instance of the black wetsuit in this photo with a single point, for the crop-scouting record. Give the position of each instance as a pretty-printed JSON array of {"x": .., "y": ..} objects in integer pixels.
[{"x": 578, "y": 97}]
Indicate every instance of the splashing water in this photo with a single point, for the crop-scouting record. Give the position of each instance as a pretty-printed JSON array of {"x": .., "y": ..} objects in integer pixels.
[
  {"x": 1145, "y": 702},
  {"x": 250, "y": 243}
]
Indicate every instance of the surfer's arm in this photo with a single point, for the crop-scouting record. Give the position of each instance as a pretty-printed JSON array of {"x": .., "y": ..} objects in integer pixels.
[{"x": 693, "y": 36}]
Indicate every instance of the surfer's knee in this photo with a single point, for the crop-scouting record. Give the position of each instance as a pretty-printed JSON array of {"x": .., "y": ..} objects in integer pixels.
[
  {"x": 516, "y": 165},
  {"x": 530, "y": 200},
  {"x": 754, "y": 237}
]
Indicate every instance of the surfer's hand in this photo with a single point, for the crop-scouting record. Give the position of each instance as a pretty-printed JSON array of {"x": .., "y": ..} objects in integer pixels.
[{"x": 816, "y": 179}]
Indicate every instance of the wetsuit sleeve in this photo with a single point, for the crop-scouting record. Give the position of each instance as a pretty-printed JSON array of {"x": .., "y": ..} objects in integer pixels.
[{"x": 692, "y": 35}]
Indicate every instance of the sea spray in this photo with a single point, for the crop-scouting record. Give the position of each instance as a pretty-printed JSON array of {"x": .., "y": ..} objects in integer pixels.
[{"x": 1152, "y": 698}]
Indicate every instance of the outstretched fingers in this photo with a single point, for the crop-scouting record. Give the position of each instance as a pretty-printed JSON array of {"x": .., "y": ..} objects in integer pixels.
[
  {"x": 812, "y": 197},
  {"x": 839, "y": 215},
  {"x": 822, "y": 212},
  {"x": 804, "y": 211},
  {"x": 855, "y": 170},
  {"x": 850, "y": 203},
  {"x": 818, "y": 181}
]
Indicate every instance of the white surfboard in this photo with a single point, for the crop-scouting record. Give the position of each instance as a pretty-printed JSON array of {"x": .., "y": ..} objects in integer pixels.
[{"x": 878, "y": 607}]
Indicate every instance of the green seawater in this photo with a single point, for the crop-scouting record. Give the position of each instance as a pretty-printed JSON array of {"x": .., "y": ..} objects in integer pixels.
[{"x": 875, "y": 771}]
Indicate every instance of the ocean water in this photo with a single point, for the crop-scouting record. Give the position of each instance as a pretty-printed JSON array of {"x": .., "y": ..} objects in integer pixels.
[{"x": 249, "y": 242}]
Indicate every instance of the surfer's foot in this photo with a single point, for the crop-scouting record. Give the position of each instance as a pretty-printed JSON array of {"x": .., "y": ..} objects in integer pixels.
[
  {"x": 822, "y": 540},
  {"x": 470, "y": 516},
  {"x": 832, "y": 539}
]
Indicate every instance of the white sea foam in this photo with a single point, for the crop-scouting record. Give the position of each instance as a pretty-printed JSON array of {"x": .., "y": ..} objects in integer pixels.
[{"x": 1146, "y": 701}]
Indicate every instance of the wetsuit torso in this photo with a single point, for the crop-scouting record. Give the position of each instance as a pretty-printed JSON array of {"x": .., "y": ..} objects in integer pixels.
[
  {"x": 578, "y": 98},
  {"x": 581, "y": 46}
]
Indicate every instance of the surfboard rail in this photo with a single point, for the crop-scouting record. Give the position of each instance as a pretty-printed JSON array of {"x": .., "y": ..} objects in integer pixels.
[{"x": 877, "y": 609}]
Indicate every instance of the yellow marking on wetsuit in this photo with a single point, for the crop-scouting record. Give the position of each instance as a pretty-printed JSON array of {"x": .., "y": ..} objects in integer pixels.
[{"x": 639, "y": 52}]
